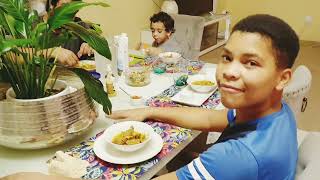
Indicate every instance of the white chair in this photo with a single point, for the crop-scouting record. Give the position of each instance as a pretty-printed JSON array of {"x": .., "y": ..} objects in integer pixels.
[
  {"x": 189, "y": 30},
  {"x": 309, "y": 156},
  {"x": 295, "y": 94}
]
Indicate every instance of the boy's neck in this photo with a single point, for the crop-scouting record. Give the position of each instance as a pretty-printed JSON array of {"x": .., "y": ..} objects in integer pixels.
[{"x": 256, "y": 111}]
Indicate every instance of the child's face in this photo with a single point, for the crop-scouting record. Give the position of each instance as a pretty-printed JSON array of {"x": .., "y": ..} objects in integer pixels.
[
  {"x": 159, "y": 33},
  {"x": 247, "y": 74}
]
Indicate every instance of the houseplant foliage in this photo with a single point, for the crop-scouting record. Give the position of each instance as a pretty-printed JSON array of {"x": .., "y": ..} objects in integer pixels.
[{"x": 27, "y": 43}]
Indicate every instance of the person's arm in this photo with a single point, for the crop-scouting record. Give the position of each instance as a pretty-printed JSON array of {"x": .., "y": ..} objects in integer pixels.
[
  {"x": 63, "y": 56},
  {"x": 187, "y": 117}
]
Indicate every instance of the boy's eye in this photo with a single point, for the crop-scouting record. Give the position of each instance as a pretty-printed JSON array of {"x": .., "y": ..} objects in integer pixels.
[
  {"x": 251, "y": 63},
  {"x": 159, "y": 31},
  {"x": 226, "y": 58}
]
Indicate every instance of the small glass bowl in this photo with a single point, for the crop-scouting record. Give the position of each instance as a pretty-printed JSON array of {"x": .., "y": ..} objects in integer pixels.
[{"x": 137, "y": 76}]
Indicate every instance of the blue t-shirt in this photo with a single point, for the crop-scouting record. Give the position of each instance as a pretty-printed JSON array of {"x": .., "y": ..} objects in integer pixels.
[{"x": 264, "y": 149}]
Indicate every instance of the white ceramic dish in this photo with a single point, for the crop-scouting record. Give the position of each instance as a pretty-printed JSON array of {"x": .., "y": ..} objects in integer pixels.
[
  {"x": 202, "y": 88},
  {"x": 115, "y": 129},
  {"x": 170, "y": 57},
  {"x": 190, "y": 97},
  {"x": 107, "y": 153}
]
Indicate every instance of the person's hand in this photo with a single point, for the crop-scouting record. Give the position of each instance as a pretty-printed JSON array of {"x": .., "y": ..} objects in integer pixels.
[
  {"x": 140, "y": 114},
  {"x": 152, "y": 51},
  {"x": 85, "y": 49},
  {"x": 65, "y": 57}
]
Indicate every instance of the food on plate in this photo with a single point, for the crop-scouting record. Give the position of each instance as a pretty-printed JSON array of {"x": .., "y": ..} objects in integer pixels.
[
  {"x": 87, "y": 65},
  {"x": 135, "y": 97},
  {"x": 129, "y": 137},
  {"x": 203, "y": 83},
  {"x": 169, "y": 55}
]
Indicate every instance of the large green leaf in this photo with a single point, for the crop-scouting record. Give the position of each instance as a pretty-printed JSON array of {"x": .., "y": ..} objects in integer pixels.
[
  {"x": 15, "y": 8},
  {"x": 97, "y": 42},
  {"x": 65, "y": 14},
  {"x": 3, "y": 21},
  {"x": 94, "y": 88},
  {"x": 9, "y": 44}
]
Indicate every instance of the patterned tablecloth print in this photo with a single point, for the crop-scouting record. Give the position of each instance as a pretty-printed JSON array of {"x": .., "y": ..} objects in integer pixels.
[{"x": 171, "y": 135}]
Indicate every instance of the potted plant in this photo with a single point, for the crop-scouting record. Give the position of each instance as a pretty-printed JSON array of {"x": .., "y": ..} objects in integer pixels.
[{"x": 27, "y": 43}]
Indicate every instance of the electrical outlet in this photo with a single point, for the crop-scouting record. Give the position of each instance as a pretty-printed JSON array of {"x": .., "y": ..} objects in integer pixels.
[{"x": 308, "y": 20}]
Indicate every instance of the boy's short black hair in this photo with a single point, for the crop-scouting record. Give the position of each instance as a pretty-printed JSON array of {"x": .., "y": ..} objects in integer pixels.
[
  {"x": 166, "y": 19},
  {"x": 284, "y": 40}
]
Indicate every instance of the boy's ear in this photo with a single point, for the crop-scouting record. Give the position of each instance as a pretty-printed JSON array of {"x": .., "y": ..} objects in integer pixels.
[
  {"x": 285, "y": 77},
  {"x": 169, "y": 34}
]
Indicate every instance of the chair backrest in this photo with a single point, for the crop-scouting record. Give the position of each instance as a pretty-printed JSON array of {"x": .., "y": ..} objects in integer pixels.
[
  {"x": 295, "y": 94},
  {"x": 189, "y": 30},
  {"x": 309, "y": 158}
]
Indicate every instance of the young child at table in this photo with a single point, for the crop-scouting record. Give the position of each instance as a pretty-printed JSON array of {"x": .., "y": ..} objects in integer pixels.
[
  {"x": 162, "y": 28},
  {"x": 258, "y": 139}
]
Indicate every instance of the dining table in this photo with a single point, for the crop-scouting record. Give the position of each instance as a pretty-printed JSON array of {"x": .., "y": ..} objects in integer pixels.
[{"x": 155, "y": 94}]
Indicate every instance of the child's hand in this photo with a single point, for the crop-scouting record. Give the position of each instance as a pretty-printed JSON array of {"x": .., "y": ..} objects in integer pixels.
[{"x": 152, "y": 51}]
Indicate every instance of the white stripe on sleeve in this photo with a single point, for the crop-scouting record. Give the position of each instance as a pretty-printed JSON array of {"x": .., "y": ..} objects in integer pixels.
[
  {"x": 193, "y": 171},
  {"x": 203, "y": 170}
]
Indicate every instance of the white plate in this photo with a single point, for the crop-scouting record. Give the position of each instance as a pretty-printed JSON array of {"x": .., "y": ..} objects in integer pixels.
[
  {"x": 190, "y": 97},
  {"x": 107, "y": 153}
]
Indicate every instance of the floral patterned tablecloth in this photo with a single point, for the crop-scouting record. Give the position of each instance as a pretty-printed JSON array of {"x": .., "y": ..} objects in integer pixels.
[
  {"x": 171, "y": 135},
  {"x": 99, "y": 169}
]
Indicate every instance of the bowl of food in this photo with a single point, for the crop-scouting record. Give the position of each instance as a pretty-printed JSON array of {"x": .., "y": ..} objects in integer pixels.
[
  {"x": 170, "y": 57},
  {"x": 87, "y": 65},
  {"x": 136, "y": 100},
  {"x": 202, "y": 83},
  {"x": 128, "y": 136},
  {"x": 137, "y": 76}
]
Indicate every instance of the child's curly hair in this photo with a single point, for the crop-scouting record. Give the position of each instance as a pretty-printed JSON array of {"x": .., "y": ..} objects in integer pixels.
[{"x": 166, "y": 19}]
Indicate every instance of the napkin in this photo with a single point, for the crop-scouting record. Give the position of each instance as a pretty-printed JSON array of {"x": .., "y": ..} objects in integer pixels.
[{"x": 66, "y": 165}]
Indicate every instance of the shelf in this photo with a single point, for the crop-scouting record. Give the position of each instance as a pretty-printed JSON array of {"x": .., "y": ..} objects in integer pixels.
[
  {"x": 220, "y": 42},
  {"x": 215, "y": 18}
]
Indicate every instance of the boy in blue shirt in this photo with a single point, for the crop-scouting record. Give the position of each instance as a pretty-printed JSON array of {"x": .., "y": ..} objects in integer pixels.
[{"x": 258, "y": 138}]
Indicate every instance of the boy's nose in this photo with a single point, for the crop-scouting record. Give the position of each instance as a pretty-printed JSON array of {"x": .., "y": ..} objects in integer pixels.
[{"x": 232, "y": 71}]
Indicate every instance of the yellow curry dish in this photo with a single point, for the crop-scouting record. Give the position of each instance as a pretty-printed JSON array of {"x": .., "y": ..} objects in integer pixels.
[
  {"x": 129, "y": 137},
  {"x": 203, "y": 83}
]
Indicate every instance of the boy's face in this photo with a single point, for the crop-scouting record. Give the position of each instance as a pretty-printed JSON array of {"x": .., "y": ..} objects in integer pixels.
[
  {"x": 247, "y": 74},
  {"x": 159, "y": 33}
]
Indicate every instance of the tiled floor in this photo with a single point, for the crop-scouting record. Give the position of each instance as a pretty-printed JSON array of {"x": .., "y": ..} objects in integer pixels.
[{"x": 310, "y": 56}]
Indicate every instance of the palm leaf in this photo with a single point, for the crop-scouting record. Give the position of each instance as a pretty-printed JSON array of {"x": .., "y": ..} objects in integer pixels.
[
  {"x": 65, "y": 14},
  {"x": 10, "y": 44},
  {"x": 94, "y": 88},
  {"x": 97, "y": 42},
  {"x": 15, "y": 8}
]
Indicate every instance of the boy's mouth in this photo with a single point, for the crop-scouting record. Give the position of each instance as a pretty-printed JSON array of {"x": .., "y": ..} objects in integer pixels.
[{"x": 229, "y": 88}]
